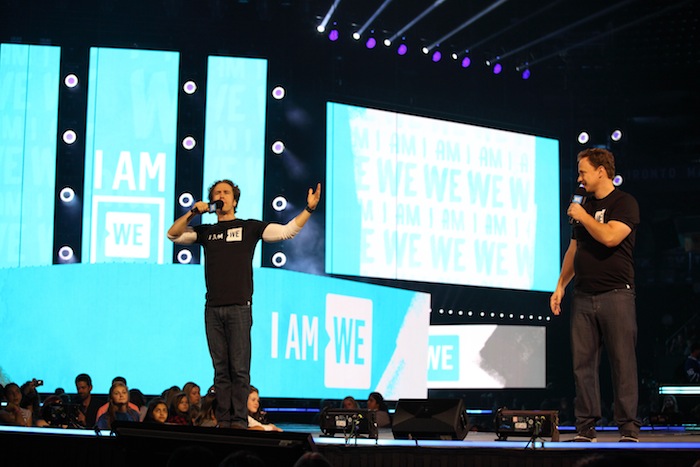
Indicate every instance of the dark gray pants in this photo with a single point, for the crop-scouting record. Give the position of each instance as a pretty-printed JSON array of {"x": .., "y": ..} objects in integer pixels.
[
  {"x": 228, "y": 335},
  {"x": 608, "y": 319}
]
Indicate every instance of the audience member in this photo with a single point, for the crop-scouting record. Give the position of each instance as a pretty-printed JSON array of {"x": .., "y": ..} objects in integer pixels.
[
  {"x": 191, "y": 455},
  {"x": 257, "y": 418},
  {"x": 30, "y": 398},
  {"x": 242, "y": 458},
  {"x": 692, "y": 364},
  {"x": 207, "y": 413},
  {"x": 139, "y": 400},
  {"x": 118, "y": 407},
  {"x": 312, "y": 459},
  {"x": 194, "y": 395},
  {"x": 179, "y": 410},
  {"x": 349, "y": 403},
  {"x": 56, "y": 414},
  {"x": 169, "y": 393},
  {"x": 375, "y": 401},
  {"x": 13, "y": 413},
  {"x": 88, "y": 404},
  {"x": 103, "y": 409},
  {"x": 157, "y": 411}
]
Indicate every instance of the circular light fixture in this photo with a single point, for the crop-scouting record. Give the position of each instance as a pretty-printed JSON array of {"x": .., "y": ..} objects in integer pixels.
[
  {"x": 71, "y": 80},
  {"x": 190, "y": 87},
  {"x": 65, "y": 253},
  {"x": 616, "y": 135},
  {"x": 184, "y": 256},
  {"x": 279, "y": 259},
  {"x": 186, "y": 200},
  {"x": 69, "y": 136},
  {"x": 278, "y": 147},
  {"x": 189, "y": 143},
  {"x": 67, "y": 194},
  {"x": 583, "y": 137},
  {"x": 278, "y": 92},
  {"x": 279, "y": 203}
]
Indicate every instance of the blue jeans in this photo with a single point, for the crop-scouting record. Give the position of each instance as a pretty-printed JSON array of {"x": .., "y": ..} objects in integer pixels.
[
  {"x": 228, "y": 335},
  {"x": 608, "y": 319}
]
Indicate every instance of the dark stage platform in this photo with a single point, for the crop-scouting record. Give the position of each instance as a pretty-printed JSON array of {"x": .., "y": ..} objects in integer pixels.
[{"x": 139, "y": 444}]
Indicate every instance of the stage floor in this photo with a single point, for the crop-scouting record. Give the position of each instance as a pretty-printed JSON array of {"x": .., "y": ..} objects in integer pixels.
[{"x": 671, "y": 446}]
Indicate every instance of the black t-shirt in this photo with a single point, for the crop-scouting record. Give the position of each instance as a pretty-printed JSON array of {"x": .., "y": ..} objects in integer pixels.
[
  {"x": 228, "y": 265},
  {"x": 599, "y": 268}
]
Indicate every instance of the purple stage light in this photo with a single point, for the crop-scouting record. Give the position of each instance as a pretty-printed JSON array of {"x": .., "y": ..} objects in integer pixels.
[
  {"x": 437, "y": 56},
  {"x": 69, "y": 136},
  {"x": 71, "y": 80},
  {"x": 466, "y": 61},
  {"x": 278, "y": 92},
  {"x": 189, "y": 87},
  {"x": 333, "y": 35},
  {"x": 583, "y": 137},
  {"x": 189, "y": 143},
  {"x": 402, "y": 50},
  {"x": 371, "y": 43},
  {"x": 526, "y": 74},
  {"x": 617, "y": 180},
  {"x": 497, "y": 68},
  {"x": 616, "y": 135}
]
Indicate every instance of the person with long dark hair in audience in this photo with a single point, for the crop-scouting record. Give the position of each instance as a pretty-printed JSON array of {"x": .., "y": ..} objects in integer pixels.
[
  {"x": 179, "y": 410},
  {"x": 257, "y": 418},
  {"x": 194, "y": 395},
  {"x": 118, "y": 407},
  {"x": 207, "y": 413},
  {"x": 157, "y": 411},
  {"x": 375, "y": 401}
]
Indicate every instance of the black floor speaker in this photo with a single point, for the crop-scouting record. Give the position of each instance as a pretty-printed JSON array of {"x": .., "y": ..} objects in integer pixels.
[{"x": 430, "y": 419}]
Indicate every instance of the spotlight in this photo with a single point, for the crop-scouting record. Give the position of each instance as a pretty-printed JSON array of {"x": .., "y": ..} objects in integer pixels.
[
  {"x": 184, "y": 256},
  {"x": 190, "y": 87},
  {"x": 583, "y": 137},
  {"x": 441, "y": 311},
  {"x": 525, "y": 74},
  {"x": 387, "y": 42},
  {"x": 449, "y": 312},
  {"x": 71, "y": 80},
  {"x": 402, "y": 49},
  {"x": 278, "y": 147},
  {"x": 425, "y": 50},
  {"x": 488, "y": 62},
  {"x": 320, "y": 28},
  {"x": 617, "y": 180},
  {"x": 65, "y": 254},
  {"x": 437, "y": 56},
  {"x": 69, "y": 137},
  {"x": 482, "y": 314},
  {"x": 466, "y": 61},
  {"x": 334, "y": 35},
  {"x": 356, "y": 36},
  {"x": 278, "y": 92},
  {"x": 67, "y": 194},
  {"x": 616, "y": 135},
  {"x": 279, "y": 259},
  {"x": 186, "y": 200},
  {"x": 189, "y": 143},
  {"x": 470, "y": 313},
  {"x": 497, "y": 68},
  {"x": 460, "y": 312},
  {"x": 371, "y": 43},
  {"x": 279, "y": 203},
  {"x": 454, "y": 56}
]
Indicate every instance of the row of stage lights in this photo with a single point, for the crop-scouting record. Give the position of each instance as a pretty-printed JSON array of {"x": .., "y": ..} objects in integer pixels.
[
  {"x": 436, "y": 55},
  {"x": 67, "y": 195},
  {"x": 493, "y": 315}
]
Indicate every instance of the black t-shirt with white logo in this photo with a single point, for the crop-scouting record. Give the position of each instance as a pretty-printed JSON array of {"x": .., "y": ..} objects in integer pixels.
[
  {"x": 228, "y": 259},
  {"x": 599, "y": 268}
]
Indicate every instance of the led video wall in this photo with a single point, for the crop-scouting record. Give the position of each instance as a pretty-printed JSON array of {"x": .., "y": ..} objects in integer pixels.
[{"x": 421, "y": 199}]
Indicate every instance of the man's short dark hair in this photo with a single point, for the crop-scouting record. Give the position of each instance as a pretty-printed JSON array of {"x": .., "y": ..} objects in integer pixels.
[
  {"x": 599, "y": 157},
  {"x": 83, "y": 377}
]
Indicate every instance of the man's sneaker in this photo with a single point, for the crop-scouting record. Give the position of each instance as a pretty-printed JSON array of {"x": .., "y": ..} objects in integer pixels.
[
  {"x": 586, "y": 436},
  {"x": 629, "y": 439}
]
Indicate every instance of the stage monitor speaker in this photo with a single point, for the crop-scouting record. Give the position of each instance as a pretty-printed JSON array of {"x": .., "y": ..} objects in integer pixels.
[
  {"x": 430, "y": 419},
  {"x": 530, "y": 423},
  {"x": 349, "y": 422},
  {"x": 152, "y": 443}
]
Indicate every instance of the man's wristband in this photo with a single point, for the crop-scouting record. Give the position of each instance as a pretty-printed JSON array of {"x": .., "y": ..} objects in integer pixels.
[{"x": 309, "y": 210}]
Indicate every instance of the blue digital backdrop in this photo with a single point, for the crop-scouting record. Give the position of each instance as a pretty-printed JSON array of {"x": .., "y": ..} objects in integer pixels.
[{"x": 122, "y": 307}]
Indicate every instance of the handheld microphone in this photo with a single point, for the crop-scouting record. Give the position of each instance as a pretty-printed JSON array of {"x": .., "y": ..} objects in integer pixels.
[
  {"x": 579, "y": 197},
  {"x": 218, "y": 204}
]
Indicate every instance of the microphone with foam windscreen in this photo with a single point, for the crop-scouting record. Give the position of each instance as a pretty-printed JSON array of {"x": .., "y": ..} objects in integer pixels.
[
  {"x": 218, "y": 204},
  {"x": 578, "y": 197}
]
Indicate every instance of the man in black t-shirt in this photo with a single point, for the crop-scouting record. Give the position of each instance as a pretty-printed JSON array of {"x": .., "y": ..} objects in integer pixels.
[
  {"x": 229, "y": 246},
  {"x": 600, "y": 261}
]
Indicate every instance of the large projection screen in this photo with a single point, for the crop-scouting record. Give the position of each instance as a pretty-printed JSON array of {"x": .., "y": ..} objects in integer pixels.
[{"x": 421, "y": 199}]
